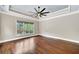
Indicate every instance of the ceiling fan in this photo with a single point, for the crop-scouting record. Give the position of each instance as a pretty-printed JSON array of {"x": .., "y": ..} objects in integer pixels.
[{"x": 40, "y": 13}]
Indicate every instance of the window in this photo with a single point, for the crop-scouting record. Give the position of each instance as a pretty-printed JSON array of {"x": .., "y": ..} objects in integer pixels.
[{"x": 25, "y": 27}]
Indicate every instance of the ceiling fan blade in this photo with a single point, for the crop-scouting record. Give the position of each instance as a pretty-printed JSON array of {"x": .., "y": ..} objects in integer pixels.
[
  {"x": 35, "y": 10},
  {"x": 42, "y": 10},
  {"x": 40, "y": 15}
]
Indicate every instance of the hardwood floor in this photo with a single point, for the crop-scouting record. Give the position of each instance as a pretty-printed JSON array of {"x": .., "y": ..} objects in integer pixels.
[
  {"x": 39, "y": 45},
  {"x": 55, "y": 46}
]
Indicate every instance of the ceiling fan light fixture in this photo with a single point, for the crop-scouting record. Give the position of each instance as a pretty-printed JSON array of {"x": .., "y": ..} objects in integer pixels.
[{"x": 40, "y": 13}]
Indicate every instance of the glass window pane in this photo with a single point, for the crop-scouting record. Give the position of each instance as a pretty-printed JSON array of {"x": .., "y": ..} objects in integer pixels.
[
  {"x": 19, "y": 27},
  {"x": 25, "y": 27}
]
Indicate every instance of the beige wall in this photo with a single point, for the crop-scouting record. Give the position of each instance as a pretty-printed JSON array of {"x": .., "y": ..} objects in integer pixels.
[
  {"x": 8, "y": 26},
  {"x": 0, "y": 26},
  {"x": 63, "y": 27}
]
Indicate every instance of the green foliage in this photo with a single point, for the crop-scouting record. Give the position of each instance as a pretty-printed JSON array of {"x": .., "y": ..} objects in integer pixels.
[{"x": 25, "y": 27}]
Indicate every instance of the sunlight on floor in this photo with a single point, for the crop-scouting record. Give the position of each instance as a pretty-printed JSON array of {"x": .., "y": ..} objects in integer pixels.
[{"x": 25, "y": 46}]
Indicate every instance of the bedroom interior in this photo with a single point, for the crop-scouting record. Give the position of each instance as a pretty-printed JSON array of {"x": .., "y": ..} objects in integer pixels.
[{"x": 39, "y": 29}]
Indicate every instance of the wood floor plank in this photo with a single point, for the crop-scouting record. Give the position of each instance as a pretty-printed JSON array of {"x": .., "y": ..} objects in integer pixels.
[
  {"x": 43, "y": 45},
  {"x": 56, "y": 46}
]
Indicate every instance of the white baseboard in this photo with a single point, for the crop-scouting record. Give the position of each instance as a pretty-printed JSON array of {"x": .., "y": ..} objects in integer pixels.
[
  {"x": 60, "y": 38},
  {"x": 16, "y": 38}
]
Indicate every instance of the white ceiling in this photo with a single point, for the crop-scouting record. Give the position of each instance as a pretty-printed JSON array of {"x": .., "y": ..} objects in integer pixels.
[{"x": 29, "y": 9}]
